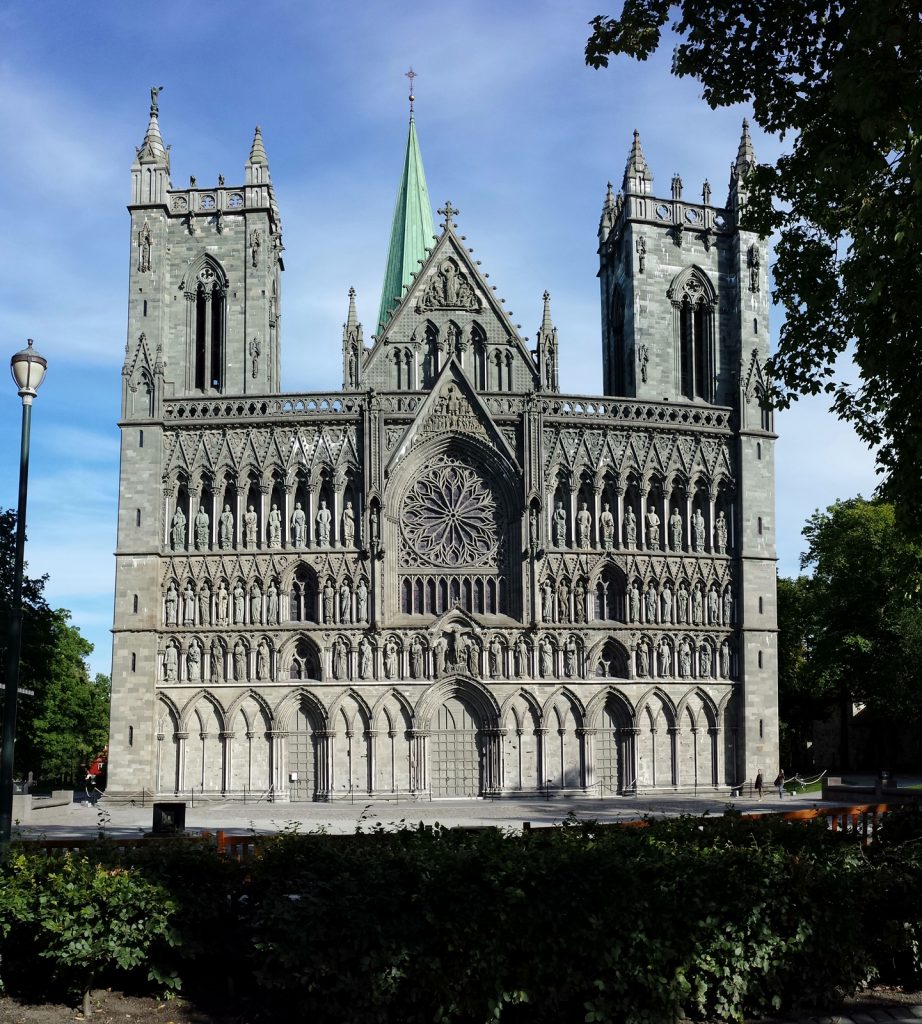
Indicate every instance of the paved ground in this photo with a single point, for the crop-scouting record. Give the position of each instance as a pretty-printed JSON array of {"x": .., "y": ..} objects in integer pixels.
[{"x": 83, "y": 820}]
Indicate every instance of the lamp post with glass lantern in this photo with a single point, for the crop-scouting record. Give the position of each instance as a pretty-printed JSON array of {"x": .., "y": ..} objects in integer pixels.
[{"x": 28, "y": 372}]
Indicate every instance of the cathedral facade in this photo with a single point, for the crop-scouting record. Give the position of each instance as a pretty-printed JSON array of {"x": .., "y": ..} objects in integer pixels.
[{"x": 447, "y": 579}]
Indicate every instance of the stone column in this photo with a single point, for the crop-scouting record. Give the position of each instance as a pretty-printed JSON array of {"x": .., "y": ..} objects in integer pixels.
[
  {"x": 717, "y": 760},
  {"x": 311, "y": 531},
  {"x": 689, "y": 502},
  {"x": 392, "y": 756},
  {"x": 541, "y": 733},
  {"x": 240, "y": 502},
  {"x": 574, "y": 502},
  {"x": 324, "y": 740},
  {"x": 181, "y": 738},
  {"x": 160, "y": 737},
  {"x": 372, "y": 735},
  {"x": 287, "y": 511},
  {"x": 619, "y": 515},
  {"x": 227, "y": 759},
  {"x": 493, "y": 761},
  {"x": 630, "y": 758},
  {"x": 642, "y": 520},
  {"x": 595, "y": 537},
  {"x": 419, "y": 760},
  {"x": 193, "y": 496},
  {"x": 709, "y": 532},
  {"x": 588, "y": 756},
  {"x": 262, "y": 536},
  {"x": 674, "y": 751}
]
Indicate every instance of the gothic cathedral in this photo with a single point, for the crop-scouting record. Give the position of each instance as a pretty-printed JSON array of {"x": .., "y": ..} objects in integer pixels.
[{"x": 447, "y": 579}]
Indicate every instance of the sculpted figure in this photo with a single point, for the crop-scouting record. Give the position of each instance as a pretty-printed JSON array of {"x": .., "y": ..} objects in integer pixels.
[
  {"x": 666, "y": 603},
  {"x": 201, "y": 529},
  {"x": 250, "y": 522},
  {"x": 652, "y": 528},
  {"x": 373, "y": 519},
  {"x": 570, "y": 653},
  {"x": 684, "y": 659},
  {"x": 275, "y": 527},
  {"x": 170, "y": 603},
  {"x": 240, "y": 662},
  {"x": 178, "y": 529},
  {"x": 682, "y": 605},
  {"x": 188, "y": 605},
  {"x": 416, "y": 659},
  {"x": 272, "y": 605},
  {"x": 262, "y": 660},
  {"x": 339, "y": 660},
  {"x": 720, "y": 528},
  {"x": 704, "y": 661},
  {"x": 521, "y": 657},
  {"x": 365, "y": 659},
  {"x": 473, "y": 658},
  {"x": 345, "y": 603},
  {"x": 390, "y": 659},
  {"x": 664, "y": 659},
  {"x": 675, "y": 530},
  {"x": 643, "y": 660},
  {"x": 698, "y": 530},
  {"x": 438, "y": 655},
  {"x": 347, "y": 527},
  {"x": 697, "y": 607},
  {"x": 547, "y": 600},
  {"x": 324, "y": 518},
  {"x": 560, "y": 526},
  {"x": 634, "y": 603},
  {"x": 728, "y": 606},
  {"x": 361, "y": 601},
  {"x": 239, "y": 596},
  {"x": 226, "y": 529},
  {"x": 546, "y": 653},
  {"x": 496, "y": 654},
  {"x": 713, "y": 607},
  {"x": 298, "y": 526},
  {"x": 216, "y": 663},
  {"x": 256, "y": 605},
  {"x": 725, "y": 660},
  {"x": 194, "y": 662},
  {"x": 329, "y": 597},
  {"x": 583, "y": 525},
  {"x": 223, "y": 601},
  {"x": 533, "y": 529},
  {"x": 607, "y": 525},
  {"x": 579, "y": 602},
  {"x": 563, "y": 601},
  {"x": 204, "y": 606},
  {"x": 650, "y": 604},
  {"x": 630, "y": 528},
  {"x": 170, "y": 663}
]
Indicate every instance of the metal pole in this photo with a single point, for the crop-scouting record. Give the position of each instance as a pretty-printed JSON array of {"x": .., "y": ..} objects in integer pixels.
[{"x": 14, "y": 647}]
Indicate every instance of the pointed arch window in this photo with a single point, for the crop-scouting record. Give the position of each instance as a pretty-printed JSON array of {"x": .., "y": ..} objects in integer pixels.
[
  {"x": 694, "y": 308},
  {"x": 207, "y": 328}
]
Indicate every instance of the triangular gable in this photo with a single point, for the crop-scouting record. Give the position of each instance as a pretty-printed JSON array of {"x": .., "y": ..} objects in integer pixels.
[{"x": 452, "y": 407}]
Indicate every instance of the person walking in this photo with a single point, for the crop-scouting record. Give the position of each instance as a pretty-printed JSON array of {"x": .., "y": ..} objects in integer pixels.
[
  {"x": 759, "y": 783},
  {"x": 779, "y": 782}
]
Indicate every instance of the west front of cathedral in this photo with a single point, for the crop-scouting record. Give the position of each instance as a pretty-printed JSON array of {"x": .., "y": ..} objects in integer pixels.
[{"x": 447, "y": 579}]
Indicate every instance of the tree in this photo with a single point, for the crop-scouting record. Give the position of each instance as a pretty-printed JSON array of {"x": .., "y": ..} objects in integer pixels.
[
  {"x": 64, "y": 720},
  {"x": 845, "y": 77}
]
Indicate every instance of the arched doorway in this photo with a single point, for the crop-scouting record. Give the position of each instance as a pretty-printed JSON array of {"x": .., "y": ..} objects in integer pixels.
[
  {"x": 302, "y": 753},
  {"x": 455, "y": 750}
]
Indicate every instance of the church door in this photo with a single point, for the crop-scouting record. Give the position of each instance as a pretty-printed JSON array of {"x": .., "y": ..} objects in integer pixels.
[
  {"x": 301, "y": 757},
  {"x": 608, "y": 767},
  {"x": 454, "y": 747}
]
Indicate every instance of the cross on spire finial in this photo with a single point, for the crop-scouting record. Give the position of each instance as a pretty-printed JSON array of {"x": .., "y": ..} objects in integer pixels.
[
  {"x": 448, "y": 212},
  {"x": 411, "y": 74}
]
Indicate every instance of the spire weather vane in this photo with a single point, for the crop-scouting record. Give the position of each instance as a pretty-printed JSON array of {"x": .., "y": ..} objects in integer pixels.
[{"x": 411, "y": 74}]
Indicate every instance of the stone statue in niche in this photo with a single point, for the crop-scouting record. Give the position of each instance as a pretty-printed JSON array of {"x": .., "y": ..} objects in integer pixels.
[
  {"x": 641, "y": 246},
  {"x": 201, "y": 529},
  {"x": 250, "y": 523},
  {"x": 416, "y": 658},
  {"x": 226, "y": 529},
  {"x": 272, "y": 605},
  {"x": 713, "y": 607},
  {"x": 563, "y": 601},
  {"x": 256, "y": 605},
  {"x": 643, "y": 660},
  {"x": 460, "y": 648},
  {"x": 579, "y": 602},
  {"x": 339, "y": 660},
  {"x": 365, "y": 659},
  {"x": 170, "y": 663},
  {"x": 754, "y": 265},
  {"x": 533, "y": 529},
  {"x": 216, "y": 663},
  {"x": 256, "y": 241},
  {"x": 350, "y": 375},
  {"x": 390, "y": 659},
  {"x": 240, "y": 662},
  {"x": 664, "y": 659},
  {"x": 546, "y": 655},
  {"x": 570, "y": 653},
  {"x": 298, "y": 526},
  {"x": 275, "y": 527},
  {"x": 675, "y": 530},
  {"x": 697, "y": 607},
  {"x": 473, "y": 657},
  {"x": 239, "y": 598},
  {"x": 650, "y": 603},
  {"x": 144, "y": 242},
  {"x": 728, "y": 607},
  {"x": 439, "y": 649},
  {"x": 345, "y": 603},
  {"x": 204, "y": 606},
  {"x": 178, "y": 530},
  {"x": 704, "y": 661},
  {"x": 324, "y": 518},
  {"x": 643, "y": 357},
  {"x": 607, "y": 526},
  {"x": 720, "y": 528},
  {"x": 262, "y": 660},
  {"x": 255, "y": 350},
  {"x": 347, "y": 526},
  {"x": 634, "y": 603},
  {"x": 373, "y": 520},
  {"x": 547, "y": 600},
  {"x": 725, "y": 660},
  {"x": 684, "y": 659},
  {"x": 361, "y": 601},
  {"x": 329, "y": 597},
  {"x": 652, "y": 528},
  {"x": 583, "y": 525},
  {"x": 169, "y": 602},
  {"x": 682, "y": 605},
  {"x": 666, "y": 604},
  {"x": 630, "y": 528},
  {"x": 223, "y": 602},
  {"x": 188, "y": 605},
  {"x": 521, "y": 657},
  {"x": 560, "y": 526},
  {"x": 698, "y": 530},
  {"x": 193, "y": 663},
  {"x": 496, "y": 655}
]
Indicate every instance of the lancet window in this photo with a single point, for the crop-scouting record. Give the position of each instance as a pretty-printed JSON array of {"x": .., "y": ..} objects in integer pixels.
[
  {"x": 207, "y": 327},
  {"x": 694, "y": 305}
]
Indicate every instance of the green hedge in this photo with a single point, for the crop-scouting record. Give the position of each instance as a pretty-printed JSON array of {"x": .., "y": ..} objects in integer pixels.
[{"x": 713, "y": 918}]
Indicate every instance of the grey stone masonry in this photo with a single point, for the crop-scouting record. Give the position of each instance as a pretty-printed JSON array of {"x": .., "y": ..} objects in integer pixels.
[{"x": 447, "y": 579}]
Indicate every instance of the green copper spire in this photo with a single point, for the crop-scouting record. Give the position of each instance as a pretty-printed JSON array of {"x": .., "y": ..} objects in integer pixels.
[{"x": 411, "y": 231}]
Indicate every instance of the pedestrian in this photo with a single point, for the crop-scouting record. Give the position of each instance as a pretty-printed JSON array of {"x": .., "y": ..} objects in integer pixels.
[
  {"x": 779, "y": 782},
  {"x": 759, "y": 783}
]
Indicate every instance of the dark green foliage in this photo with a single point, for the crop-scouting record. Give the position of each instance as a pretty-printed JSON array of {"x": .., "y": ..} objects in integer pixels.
[
  {"x": 844, "y": 82},
  {"x": 716, "y": 918}
]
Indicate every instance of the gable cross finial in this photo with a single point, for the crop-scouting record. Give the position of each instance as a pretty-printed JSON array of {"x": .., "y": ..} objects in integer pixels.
[
  {"x": 411, "y": 74},
  {"x": 448, "y": 212}
]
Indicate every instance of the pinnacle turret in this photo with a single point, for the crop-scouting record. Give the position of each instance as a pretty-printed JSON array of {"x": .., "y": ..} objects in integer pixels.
[
  {"x": 151, "y": 186},
  {"x": 353, "y": 346},
  {"x": 607, "y": 220},
  {"x": 637, "y": 175},
  {"x": 547, "y": 349},
  {"x": 258, "y": 150},
  {"x": 745, "y": 155}
]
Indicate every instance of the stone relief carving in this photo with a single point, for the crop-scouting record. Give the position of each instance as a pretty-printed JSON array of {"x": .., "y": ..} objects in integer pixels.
[{"x": 449, "y": 287}]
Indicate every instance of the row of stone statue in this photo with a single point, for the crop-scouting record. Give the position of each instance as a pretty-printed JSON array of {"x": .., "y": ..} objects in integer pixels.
[
  {"x": 297, "y": 536},
  {"x": 240, "y": 667},
  {"x": 238, "y": 606},
  {"x": 607, "y": 527},
  {"x": 689, "y": 660},
  {"x": 686, "y": 607}
]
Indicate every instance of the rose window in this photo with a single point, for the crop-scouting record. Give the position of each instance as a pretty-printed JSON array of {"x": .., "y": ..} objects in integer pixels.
[{"x": 450, "y": 517}]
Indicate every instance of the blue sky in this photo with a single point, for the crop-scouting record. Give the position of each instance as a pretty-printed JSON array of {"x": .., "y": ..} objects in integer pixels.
[{"x": 514, "y": 129}]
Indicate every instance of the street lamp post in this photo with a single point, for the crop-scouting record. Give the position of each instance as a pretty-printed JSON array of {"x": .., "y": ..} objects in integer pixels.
[{"x": 28, "y": 372}]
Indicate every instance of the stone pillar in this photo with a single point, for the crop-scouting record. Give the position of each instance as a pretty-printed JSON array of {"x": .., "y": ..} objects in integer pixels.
[
  {"x": 709, "y": 532},
  {"x": 493, "y": 761},
  {"x": 674, "y": 751},
  {"x": 158, "y": 768},
  {"x": 574, "y": 502},
  {"x": 287, "y": 510},
  {"x": 419, "y": 760},
  {"x": 595, "y": 536},
  {"x": 541, "y": 733},
  {"x": 193, "y": 496},
  {"x": 588, "y": 756},
  {"x": 619, "y": 516},
  {"x": 718, "y": 755},
  {"x": 227, "y": 760},
  {"x": 240, "y": 502},
  {"x": 689, "y": 502},
  {"x": 309, "y": 513},
  {"x": 630, "y": 758},
  {"x": 392, "y": 757},
  {"x": 324, "y": 741},
  {"x": 262, "y": 536},
  {"x": 372, "y": 735},
  {"x": 642, "y": 520},
  {"x": 181, "y": 738}
]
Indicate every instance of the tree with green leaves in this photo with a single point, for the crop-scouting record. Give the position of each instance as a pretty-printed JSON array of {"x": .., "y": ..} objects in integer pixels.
[{"x": 844, "y": 79}]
